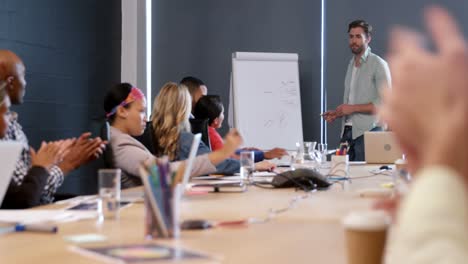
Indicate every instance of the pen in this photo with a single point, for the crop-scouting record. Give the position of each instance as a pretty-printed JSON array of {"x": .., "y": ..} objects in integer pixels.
[
  {"x": 36, "y": 228},
  {"x": 337, "y": 178}
]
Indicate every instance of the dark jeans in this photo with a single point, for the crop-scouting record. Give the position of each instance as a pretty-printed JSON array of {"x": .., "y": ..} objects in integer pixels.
[{"x": 356, "y": 146}]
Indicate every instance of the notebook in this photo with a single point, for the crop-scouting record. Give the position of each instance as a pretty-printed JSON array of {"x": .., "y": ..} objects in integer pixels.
[
  {"x": 144, "y": 253},
  {"x": 9, "y": 154}
]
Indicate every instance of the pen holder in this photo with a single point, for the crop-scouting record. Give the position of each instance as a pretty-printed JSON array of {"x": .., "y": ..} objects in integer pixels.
[
  {"x": 153, "y": 226},
  {"x": 339, "y": 165},
  {"x": 162, "y": 200}
]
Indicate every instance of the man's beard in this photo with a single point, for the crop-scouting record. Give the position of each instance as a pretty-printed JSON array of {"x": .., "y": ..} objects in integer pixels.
[{"x": 356, "y": 50}]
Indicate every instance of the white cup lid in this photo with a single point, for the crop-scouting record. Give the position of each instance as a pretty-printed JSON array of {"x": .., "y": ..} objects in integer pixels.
[
  {"x": 400, "y": 162},
  {"x": 367, "y": 220}
]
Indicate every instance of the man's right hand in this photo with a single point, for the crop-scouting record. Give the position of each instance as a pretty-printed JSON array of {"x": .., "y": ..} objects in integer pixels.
[{"x": 330, "y": 116}]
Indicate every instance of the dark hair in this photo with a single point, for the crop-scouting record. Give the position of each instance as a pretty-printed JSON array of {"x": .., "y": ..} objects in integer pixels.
[
  {"x": 362, "y": 24},
  {"x": 115, "y": 96},
  {"x": 208, "y": 107},
  {"x": 192, "y": 83}
]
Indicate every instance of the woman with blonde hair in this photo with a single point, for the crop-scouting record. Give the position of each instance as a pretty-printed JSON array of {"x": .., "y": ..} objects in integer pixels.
[
  {"x": 170, "y": 118},
  {"x": 170, "y": 121},
  {"x": 125, "y": 107}
]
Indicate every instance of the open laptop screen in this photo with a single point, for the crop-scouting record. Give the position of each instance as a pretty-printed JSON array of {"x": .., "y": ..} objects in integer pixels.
[{"x": 9, "y": 154}]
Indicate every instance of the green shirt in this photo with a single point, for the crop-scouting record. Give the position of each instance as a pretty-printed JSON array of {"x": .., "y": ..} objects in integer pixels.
[{"x": 369, "y": 78}]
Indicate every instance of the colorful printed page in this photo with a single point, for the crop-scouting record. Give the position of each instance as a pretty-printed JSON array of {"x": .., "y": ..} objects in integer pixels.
[{"x": 142, "y": 253}]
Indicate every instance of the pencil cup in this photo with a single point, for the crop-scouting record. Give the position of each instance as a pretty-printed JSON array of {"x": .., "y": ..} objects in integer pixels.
[
  {"x": 162, "y": 199},
  {"x": 339, "y": 165},
  {"x": 153, "y": 228}
]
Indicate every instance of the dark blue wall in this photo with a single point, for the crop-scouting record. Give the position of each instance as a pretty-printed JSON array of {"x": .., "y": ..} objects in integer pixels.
[
  {"x": 71, "y": 49},
  {"x": 198, "y": 38}
]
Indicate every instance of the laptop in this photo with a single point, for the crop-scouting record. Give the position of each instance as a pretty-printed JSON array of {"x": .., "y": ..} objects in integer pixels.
[
  {"x": 9, "y": 155},
  {"x": 381, "y": 147},
  {"x": 189, "y": 161}
]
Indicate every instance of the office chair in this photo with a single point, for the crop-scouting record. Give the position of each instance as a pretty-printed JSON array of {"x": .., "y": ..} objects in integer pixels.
[
  {"x": 108, "y": 154},
  {"x": 201, "y": 126},
  {"x": 147, "y": 139},
  {"x": 101, "y": 128}
]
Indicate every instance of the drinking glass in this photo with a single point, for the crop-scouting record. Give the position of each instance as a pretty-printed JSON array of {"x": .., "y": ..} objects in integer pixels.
[
  {"x": 109, "y": 193},
  {"x": 247, "y": 166}
]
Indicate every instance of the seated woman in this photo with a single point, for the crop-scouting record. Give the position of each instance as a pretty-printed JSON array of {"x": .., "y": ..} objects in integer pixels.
[
  {"x": 210, "y": 107},
  {"x": 28, "y": 194},
  {"x": 170, "y": 121},
  {"x": 125, "y": 108}
]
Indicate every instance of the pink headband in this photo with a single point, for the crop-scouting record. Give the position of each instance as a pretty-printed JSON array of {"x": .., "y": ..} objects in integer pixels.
[{"x": 135, "y": 94}]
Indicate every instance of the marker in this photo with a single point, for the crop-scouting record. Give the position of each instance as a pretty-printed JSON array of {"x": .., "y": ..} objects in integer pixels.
[{"x": 36, "y": 228}]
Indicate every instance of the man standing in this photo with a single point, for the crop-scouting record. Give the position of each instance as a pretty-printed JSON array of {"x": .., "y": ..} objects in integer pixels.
[{"x": 366, "y": 73}]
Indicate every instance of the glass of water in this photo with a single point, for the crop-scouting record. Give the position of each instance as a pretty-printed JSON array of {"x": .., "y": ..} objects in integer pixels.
[
  {"x": 309, "y": 147},
  {"x": 322, "y": 149},
  {"x": 109, "y": 193},
  {"x": 247, "y": 166}
]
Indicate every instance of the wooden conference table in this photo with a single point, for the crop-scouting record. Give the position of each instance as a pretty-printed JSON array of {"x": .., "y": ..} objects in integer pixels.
[{"x": 311, "y": 232}]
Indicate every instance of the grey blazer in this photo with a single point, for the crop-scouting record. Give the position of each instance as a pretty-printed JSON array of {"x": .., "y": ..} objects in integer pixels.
[{"x": 129, "y": 154}]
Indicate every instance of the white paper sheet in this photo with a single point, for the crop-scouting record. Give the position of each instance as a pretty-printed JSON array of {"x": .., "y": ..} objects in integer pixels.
[{"x": 37, "y": 216}]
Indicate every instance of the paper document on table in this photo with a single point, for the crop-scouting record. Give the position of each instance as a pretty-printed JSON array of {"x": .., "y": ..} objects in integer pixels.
[
  {"x": 231, "y": 179},
  {"x": 37, "y": 216},
  {"x": 78, "y": 199},
  {"x": 217, "y": 182},
  {"x": 258, "y": 174},
  {"x": 234, "y": 178},
  {"x": 208, "y": 177},
  {"x": 264, "y": 174},
  {"x": 145, "y": 253}
]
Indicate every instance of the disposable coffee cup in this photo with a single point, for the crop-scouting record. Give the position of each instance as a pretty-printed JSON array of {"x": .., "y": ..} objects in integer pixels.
[{"x": 366, "y": 233}]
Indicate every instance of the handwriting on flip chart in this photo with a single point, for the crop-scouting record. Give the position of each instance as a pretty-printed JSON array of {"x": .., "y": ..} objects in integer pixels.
[
  {"x": 284, "y": 99},
  {"x": 289, "y": 94}
]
